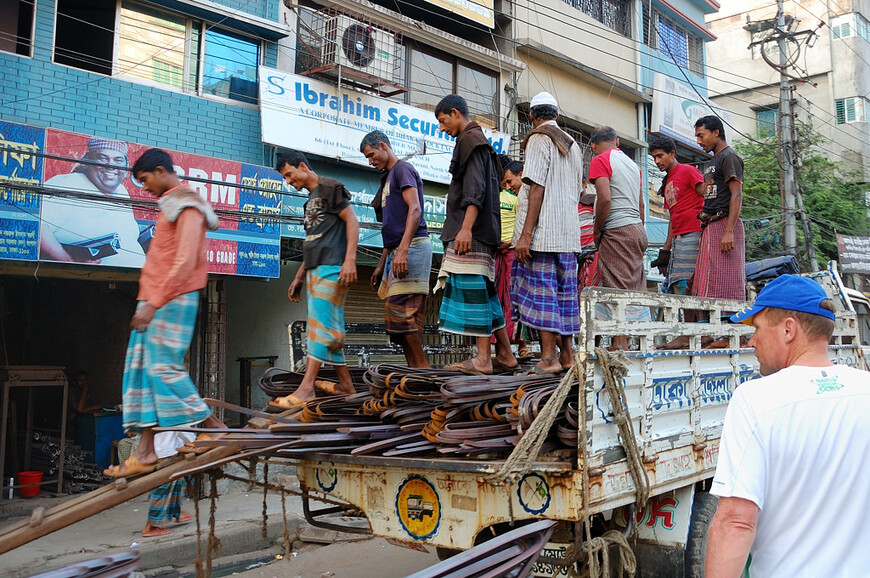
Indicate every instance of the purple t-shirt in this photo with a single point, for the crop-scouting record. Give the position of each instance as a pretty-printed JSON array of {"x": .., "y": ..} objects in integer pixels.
[{"x": 402, "y": 176}]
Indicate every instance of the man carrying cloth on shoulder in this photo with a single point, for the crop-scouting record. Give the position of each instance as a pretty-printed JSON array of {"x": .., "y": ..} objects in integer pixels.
[
  {"x": 406, "y": 261},
  {"x": 157, "y": 389},
  {"x": 547, "y": 236},
  {"x": 471, "y": 236},
  {"x": 720, "y": 271},
  {"x": 329, "y": 265}
]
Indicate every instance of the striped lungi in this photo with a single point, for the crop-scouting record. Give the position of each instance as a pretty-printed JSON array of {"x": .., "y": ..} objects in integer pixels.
[
  {"x": 504, "y": 261},
  {"x": 620, "y": 257},
  {"x": 157, "y": 387},
  {"x": 721, "y": 274},
  {"x": 545, "y": 291},
  {"x": 684, "y": 257},
  {"x": 405, "y": 314},
  {"x": 470, "y": 306},
  {"x": 165, "y": 503},
  {"x": 326, "y": 332}
]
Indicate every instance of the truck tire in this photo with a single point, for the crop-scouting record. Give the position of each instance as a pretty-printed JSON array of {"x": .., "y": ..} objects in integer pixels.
[{"x": 703, "y": 508}]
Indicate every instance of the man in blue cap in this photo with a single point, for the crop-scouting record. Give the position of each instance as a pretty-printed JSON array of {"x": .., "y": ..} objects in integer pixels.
[{"x": 792, "y": 471}]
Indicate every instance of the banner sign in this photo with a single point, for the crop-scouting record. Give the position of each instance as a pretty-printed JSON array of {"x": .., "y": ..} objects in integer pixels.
[
  {"x": 94, "y": 217},
  {"x": 675, "y": 109},
  {"x": 312, "y": 116},
  {"x": 480, "y": 11},
  {"x": 19, "y": 209},
  {"x": 854, "y": 254}
]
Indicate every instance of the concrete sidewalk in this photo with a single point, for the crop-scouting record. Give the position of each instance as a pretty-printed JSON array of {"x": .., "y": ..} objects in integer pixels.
[{"x": 238, "y": 526}]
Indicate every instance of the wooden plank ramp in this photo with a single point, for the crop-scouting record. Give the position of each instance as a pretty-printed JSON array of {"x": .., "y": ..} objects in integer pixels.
[{"x": 117, "y": 492}]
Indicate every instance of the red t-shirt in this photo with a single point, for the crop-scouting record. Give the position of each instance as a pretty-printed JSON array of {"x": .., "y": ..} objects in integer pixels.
[{"x": 682, "y": 200}]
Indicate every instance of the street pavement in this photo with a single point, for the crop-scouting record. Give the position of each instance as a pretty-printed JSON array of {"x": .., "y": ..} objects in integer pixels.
[{"x": 238, "y": 525}]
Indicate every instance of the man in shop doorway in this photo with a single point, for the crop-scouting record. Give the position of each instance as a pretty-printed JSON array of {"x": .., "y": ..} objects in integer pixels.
[
  {"x": 720, "y": 269},
  {"x": 402, "y": 274},
  {"x": 70, "y": 225},
  {"x": 158, "y": 390},
  {"x": 471, "y": 235},
  {"x": 328, "y": 268}
]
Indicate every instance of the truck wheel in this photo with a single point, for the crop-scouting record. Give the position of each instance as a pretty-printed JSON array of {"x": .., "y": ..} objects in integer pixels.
[{"x": 703, "y": 509}]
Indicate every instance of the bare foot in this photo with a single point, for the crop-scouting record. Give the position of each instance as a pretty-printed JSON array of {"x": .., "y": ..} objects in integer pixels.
[{"x": 681, "y": 342}]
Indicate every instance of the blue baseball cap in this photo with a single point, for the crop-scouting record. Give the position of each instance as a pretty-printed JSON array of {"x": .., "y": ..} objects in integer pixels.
[{"x": 791, "y": 292}]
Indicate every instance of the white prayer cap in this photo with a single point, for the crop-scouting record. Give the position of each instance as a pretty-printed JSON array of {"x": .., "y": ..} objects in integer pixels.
[{"x": 543, "y": 98}]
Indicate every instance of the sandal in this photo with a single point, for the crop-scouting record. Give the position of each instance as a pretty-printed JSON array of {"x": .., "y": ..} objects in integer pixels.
[
  {"x": 192, "y": 448},
  {"x": 156, "y": 532},
  {"x": 131, "y": 467},
  {"x": 327, "y": 387},
  {"x": 524, "y": 353},
  {"x": 499, "y": 367},
  {"x": 288, "y": 402},
  {"x": 536, "y": 370}
]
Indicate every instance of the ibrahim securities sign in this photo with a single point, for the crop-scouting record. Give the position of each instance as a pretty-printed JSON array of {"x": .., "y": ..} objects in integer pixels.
[{"x": 312, "y": 116}]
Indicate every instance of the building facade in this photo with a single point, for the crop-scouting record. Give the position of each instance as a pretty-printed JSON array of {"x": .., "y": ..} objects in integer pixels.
[{"x": 830, "y": 99}]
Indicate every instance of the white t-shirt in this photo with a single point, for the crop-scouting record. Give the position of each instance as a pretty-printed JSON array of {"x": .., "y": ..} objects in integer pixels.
[
  {"x": 73, "y": 220},
  {"x": 796, "y": 444}
]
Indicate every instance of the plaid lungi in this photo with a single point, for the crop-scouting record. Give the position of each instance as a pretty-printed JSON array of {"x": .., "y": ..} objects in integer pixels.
[
  {"x": 470, "y": 306},
  {"x": 157, "y": 387},
  {"x": 165, "y": 503},
  {"x": 721, "y": 274},
  {"x": 684, "y": 257},
  {"x": 620, "y": 257},
  {"x": 325, "y": 335},
  {"x": 545, "y": 292},
  {"x": 405, "y": 314},
  {"x": 419, "y": 271},
  {"x": 504, "y": 261}
]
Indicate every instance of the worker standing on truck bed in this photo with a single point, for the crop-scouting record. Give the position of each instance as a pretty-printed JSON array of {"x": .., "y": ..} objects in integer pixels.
[
  {"x": 720, "y": 270},
  {"x": 547, "y": 236},
  {"x": 328, "y": 268},
  {"x": 402, "y": 274},
  {"x": 792, "y": 473},
  {"x": 471, "y": 235}
]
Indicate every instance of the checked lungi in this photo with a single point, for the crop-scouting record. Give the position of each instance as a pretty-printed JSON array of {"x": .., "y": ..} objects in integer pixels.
[
  {"x": 406, "y": 297},
  {"x": 157, "y": 387},
  {"x": 684, "y": 258},
  {"x": 545, "y": 292},
  {"x": 470, "y": 304},
  {"x": 165, "y": 503},
  {"x": 620, "y": 258},
  {"x": 326, "y": 332},
  {"x": 721, "y": 274}
]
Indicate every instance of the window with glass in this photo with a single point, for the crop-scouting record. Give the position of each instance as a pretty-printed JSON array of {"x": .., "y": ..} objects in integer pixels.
[
  {"x": 431, "y": 77},
  {"x": 673, "y": 41},
  {"x": 615, "y": 14},
  {"x": 852, "y": 109},
  {"x": 852, "y": 24},
  {"x": 16, "y": 26},
  {"x": 186, "y": 54},
  {"x": 767, "y": 121}
]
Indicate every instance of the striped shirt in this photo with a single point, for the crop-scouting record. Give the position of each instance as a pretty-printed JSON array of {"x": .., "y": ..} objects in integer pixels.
[{"x": 558, "y": 227}]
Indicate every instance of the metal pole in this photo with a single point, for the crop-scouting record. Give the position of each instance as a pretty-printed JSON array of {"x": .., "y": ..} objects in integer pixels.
[{"x": 786, "y": 139}]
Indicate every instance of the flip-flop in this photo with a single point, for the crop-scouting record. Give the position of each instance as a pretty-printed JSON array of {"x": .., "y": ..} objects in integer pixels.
[
  {"x": 156, "y": 532},
  {"x": 466, "y": 367},
  {"x": 535, "y": 370},
  {"x": 288, "y": 402},
  {"x": 192, "y": 448},
  {"x": 132, "y": 467},
  {"x": 524, "y": 354},
  {"x": 184, "y": 518},
  {"x": 326, "y": 386}
]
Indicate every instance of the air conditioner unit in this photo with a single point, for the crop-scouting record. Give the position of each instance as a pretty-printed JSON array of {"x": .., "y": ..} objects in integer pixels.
[{"x": 362, "y": 50}]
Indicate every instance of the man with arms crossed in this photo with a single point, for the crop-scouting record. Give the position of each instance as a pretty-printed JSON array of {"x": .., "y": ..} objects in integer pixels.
[{"x": 792, "y": 473}]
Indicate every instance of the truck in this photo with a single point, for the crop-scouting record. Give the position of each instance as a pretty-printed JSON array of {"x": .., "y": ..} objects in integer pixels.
[{"x": 674, "y": 401}]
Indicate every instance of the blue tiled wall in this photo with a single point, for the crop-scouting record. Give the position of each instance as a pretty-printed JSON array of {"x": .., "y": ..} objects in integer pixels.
[{"x": 38, "y": 92}]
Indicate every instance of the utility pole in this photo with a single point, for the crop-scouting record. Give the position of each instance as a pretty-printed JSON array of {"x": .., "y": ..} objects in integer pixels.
[{"x": 787, "y": 159}]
